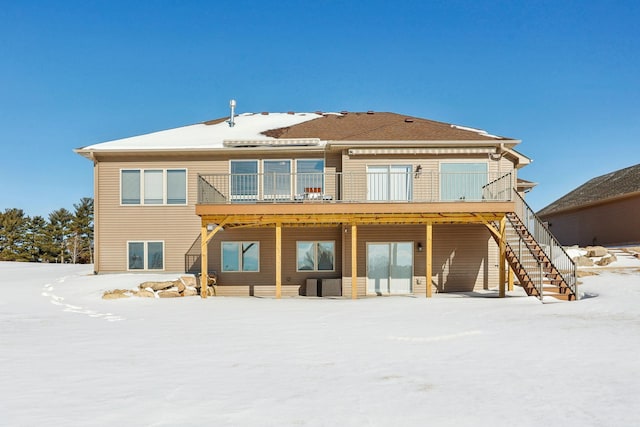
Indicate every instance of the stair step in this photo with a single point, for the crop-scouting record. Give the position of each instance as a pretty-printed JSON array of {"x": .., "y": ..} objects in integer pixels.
[{"x": 563, "y": 297}]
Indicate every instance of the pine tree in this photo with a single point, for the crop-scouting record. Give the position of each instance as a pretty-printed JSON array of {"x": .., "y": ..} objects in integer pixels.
[
  {"x": 37, "y": 242},
  {"x": 82, "y": 232},
  {"x": 59, "y": 231},
  {"x": 13, "y": 225}
]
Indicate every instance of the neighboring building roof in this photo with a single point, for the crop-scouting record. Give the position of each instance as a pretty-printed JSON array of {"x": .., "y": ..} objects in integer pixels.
[
  {"x": 612, "y": 185},
  {"x": 288, "y": 128},
  {"x": 524, "y": 185}
]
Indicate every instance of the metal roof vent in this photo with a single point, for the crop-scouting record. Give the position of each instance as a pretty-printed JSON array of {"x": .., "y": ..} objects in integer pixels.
[
  {"x": 370, "y": 112},
  {"x": 232, "y": 105},
  {"x": 408, "y": 120}
]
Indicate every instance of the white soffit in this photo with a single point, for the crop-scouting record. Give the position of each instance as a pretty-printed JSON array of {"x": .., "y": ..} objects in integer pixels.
[{"x": 376, "y": 151}]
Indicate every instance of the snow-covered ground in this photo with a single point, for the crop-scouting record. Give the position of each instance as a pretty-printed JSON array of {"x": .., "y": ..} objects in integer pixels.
[{"x": 69, "y": 358}]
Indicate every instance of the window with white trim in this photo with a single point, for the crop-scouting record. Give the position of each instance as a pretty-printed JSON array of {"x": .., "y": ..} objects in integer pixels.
[
  {"x": 145, "y": 255},
  {"x": 315, "y": 256},
  {"x": 241, "y": 256},
  {"x": 153, "y": 186}
]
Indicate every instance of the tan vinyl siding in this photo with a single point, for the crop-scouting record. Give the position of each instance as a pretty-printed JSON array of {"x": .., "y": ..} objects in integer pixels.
[
  {"x": 176, "y": 225},
  {"x": 248, "y": 283},
  {"x": 464, "y": 256},
  {"x": 427, "y": 182}
]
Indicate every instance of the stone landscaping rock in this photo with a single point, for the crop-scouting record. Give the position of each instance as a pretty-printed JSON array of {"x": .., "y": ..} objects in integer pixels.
[
  {"x": 596, "y": 251},
  {"x": 156, "y": 286},
  {"x": 606, "y": 260},
  {"x": 189, "y": 281},
  {"x": 144, "y": 293},
  {"x": 168, "y": 294},
  {"x": 189, "y": 292},
  {"x": 583, "y": 261},
  {"x": 117, "y": 294},
  {"x": 185, "y": 286}
]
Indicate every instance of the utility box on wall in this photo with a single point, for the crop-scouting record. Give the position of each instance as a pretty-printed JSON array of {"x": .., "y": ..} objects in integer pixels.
[
  {"x": 311, "y": 289},
  {"x": 330, "y": 288}
]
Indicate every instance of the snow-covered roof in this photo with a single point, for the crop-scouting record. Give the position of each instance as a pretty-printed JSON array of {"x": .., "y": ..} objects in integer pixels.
[
  {"x": 302, "y": 130},
  {"x": 248, "y": 126}
]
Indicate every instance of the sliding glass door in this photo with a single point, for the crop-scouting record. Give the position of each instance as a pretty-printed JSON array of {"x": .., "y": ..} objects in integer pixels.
[{"x": 389, "y": 268}]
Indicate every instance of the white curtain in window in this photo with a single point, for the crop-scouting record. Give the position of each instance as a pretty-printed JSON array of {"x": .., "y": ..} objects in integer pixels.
[{"x": 153, "y": 183}]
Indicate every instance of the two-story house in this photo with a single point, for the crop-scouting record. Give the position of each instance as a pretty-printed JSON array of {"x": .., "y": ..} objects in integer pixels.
[{"x": 373, "y": 203}]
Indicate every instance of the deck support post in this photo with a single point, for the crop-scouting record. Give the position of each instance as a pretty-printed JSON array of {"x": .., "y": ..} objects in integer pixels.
[
  {"x": 278, "y": 260},
  {"x": 510, "y": 280},
  {"x": 205, "y": 237},
  {"x": 354, "y": 261},
  {"x": 503, "y": 257},
  {"x": 429, "y": 251}
]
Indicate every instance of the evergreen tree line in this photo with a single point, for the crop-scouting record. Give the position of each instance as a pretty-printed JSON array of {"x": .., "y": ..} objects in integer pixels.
[{"x": 64, "y": 238}]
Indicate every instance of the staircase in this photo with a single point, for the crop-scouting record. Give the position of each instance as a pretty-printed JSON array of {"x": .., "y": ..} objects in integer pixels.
[{"x": 540, "y": 263}]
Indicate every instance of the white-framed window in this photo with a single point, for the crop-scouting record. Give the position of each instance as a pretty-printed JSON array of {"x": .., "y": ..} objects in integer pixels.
[
  {"x": 315, "y": 256},
  {"x": 310, "y": 176},
  {"x": 462, "y": 181},
  {"x": 244, "y": 179},
  {"x": 389, "y": 183},
  {"x": 145, "y": 255},
  {"x": 276, "y": 179},
  {"x": 153, "y": 186},
  {"x": 241, "y": 256}
]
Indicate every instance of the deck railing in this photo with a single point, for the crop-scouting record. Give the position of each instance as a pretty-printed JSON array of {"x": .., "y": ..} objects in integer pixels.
[
  {"x": 352, "y": 187},
  {"x": 548, "y": 243}
]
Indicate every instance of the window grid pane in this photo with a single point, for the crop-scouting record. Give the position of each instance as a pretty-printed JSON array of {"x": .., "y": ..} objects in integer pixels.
[
  {"x": 155, "y": 259},
  {"x": 136, "y": 256},
  {"x": 325, "y": 251},
  {"x": 153, "y": 187},
  {"x": 130, "y": 181},
  {"x": 176, "y": 187},
  {"x": 230, "y": 256},
  {"x": 250, "y": 256},
  {"x": 306, "y": 256}
]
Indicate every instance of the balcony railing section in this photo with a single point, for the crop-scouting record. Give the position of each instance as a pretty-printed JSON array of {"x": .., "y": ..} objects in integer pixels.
[{"x": 389, "y": 186}]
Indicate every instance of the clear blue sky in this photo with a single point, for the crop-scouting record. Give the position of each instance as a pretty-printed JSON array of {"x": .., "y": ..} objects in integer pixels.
[{"x": 562, "y": 76}]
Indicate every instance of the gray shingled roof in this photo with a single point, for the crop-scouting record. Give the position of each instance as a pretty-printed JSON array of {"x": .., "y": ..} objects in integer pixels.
[{"x": 614, "y": 184}]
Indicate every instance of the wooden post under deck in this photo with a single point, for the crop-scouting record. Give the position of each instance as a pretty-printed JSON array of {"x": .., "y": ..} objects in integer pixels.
[
  {"x": 278, "y": 260},
  {"x": 205, "y": 237},
  {"x": 429, "y": 251},
  {"x": 204, "y": 262},
  {"x": 503, "y": 257},
  {"x": 354, "y": 261}
]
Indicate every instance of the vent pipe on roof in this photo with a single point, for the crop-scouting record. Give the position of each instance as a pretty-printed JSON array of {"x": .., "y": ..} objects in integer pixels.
[{"x": 232, "y": 104}]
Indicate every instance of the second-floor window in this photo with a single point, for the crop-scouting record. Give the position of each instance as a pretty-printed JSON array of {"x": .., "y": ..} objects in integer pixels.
[
  {"x": 462, "y": 181},
  {"x": 153, "y": 186},
  {"x": 389, "y": 183},
  {"x": 252, "y": 180}
]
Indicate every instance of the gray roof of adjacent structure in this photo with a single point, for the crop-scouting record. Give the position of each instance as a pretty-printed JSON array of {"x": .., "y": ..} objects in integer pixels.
[{"x": 612, "y": 185}]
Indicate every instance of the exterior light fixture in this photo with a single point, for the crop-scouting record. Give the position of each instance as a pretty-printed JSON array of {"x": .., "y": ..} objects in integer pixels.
[{"x": 419, "y": 247}]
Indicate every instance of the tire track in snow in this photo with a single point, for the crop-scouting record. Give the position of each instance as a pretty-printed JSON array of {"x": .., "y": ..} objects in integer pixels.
[{"x": 47, "y": 291}]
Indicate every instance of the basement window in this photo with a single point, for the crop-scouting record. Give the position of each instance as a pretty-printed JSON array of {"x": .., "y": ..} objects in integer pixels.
[
  {"x": 145, "y": 255},
  {"x": 241, "y": 256},
  {"x": 315, "y": 256}
]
